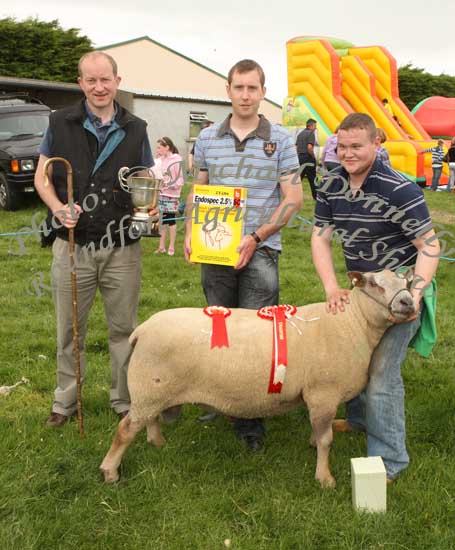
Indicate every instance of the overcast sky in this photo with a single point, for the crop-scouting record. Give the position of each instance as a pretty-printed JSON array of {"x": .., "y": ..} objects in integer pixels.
[{"x": 420, "y": 32}]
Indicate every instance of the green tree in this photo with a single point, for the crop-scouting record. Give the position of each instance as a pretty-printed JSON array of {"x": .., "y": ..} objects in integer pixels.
[
  {"x": 415, "y": 85},
  {"x": 40, "y": 49}
]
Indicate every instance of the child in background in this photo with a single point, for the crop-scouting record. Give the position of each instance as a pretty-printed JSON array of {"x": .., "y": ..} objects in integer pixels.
[
  {"x": 437, "y": 154},
  {"x": 170, "y": 163},
  {"x": 387, "y": 106},
  {"x": 382, "y": 153}
]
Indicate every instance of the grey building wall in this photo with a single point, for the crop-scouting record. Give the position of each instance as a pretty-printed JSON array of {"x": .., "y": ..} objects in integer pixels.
[{"x": 171, "y": 118}]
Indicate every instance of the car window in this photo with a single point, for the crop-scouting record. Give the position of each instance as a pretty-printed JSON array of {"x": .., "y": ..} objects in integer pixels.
[{"x": 13, "y": 125}]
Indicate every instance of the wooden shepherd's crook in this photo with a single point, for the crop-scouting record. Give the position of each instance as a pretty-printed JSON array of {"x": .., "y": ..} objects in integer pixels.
[{"x": 77, "y": 358}]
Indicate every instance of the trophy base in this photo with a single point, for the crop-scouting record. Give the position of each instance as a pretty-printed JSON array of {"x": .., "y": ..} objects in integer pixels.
[{"x": 143, "y": 228}]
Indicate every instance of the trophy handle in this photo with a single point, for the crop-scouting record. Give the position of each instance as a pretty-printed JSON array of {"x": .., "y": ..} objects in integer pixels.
[
  {"x": 124, "y": 173},
  {"x": 122, "y": 178}
]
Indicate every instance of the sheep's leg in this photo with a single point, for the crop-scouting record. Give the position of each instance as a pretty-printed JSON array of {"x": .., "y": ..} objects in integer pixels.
[
  {"x": 154, "y": 434},
  {"x": 126, "y": 432},
  {"x": 321, "y": 422}
]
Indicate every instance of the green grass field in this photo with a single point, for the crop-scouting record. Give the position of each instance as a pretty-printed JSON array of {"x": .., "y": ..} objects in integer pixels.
[{"x": 203, "y": 487}]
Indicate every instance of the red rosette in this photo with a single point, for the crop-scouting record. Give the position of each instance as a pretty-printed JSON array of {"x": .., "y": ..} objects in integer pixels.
[
  {"x": 267, "y": 312},
  {"x": 219, "y": 331},
  {"x": 237, "y": 197},
  {"x": 278, "y": 314}
]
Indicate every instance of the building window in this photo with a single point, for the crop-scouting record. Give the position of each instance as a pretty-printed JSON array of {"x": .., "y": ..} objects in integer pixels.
[{"x": 197, "y": 118}]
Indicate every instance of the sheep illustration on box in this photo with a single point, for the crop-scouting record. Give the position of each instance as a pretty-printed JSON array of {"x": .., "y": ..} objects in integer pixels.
[{"x": 169, "y": 369}]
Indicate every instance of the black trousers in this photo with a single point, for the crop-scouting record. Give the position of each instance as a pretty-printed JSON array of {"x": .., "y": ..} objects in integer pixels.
[{"x": 308, "y": 170}]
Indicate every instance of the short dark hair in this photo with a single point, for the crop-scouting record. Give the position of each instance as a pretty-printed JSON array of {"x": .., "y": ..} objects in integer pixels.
[
  {"x": 97, "y": 54},
  {"x": 167, "y": 142},
  {"x": 245, "y": 66},
  {"x": 310, "y": 121},
  {"x": 360, "y": 121}
]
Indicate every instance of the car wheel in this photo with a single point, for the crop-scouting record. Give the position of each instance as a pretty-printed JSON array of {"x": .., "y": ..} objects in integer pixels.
[{"x": 10, "y": 199}]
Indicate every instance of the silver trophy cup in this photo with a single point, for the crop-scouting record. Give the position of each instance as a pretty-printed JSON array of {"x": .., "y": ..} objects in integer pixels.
[{"x": 144, "y": 189}]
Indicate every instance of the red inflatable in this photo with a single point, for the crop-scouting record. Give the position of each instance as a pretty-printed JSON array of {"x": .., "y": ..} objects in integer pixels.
[{"x": 437, "y": 116}]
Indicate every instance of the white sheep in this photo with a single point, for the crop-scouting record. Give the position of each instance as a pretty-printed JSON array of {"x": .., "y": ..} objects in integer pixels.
[{"x": 173, "y": 364}]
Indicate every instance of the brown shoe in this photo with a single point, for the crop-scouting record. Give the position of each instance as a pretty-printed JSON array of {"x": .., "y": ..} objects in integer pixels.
[
  {"x": 56, "y": 420},
  {"x": 341, "y": 425}
]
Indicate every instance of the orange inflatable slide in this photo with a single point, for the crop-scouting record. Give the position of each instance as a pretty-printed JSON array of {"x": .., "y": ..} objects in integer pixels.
[{"x": 330, "y": 78}]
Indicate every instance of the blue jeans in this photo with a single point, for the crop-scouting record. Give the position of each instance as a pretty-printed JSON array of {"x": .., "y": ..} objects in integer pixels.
[
  {"x": 253, "y": 287},
  {"x": 379, "y": 409},
  {"x": 437, "y": 171},
  {"x": 451, "y": 181}
]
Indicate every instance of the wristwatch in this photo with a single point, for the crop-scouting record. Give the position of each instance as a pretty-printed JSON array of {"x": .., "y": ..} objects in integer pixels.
[{"x": 256, "y": 237}]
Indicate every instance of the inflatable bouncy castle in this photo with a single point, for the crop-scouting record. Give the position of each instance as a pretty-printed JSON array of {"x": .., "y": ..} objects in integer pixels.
[
  {"x": 437, "y": 115},
  {"x": 330, "y": 78}
]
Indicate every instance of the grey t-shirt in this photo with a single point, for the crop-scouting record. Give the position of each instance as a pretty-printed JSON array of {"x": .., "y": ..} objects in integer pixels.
[{"x": 305, "y": 138}]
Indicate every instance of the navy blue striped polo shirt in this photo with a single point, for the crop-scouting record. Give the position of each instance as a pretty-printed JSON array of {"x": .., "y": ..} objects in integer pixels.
[{"x": 376, "y": 225}]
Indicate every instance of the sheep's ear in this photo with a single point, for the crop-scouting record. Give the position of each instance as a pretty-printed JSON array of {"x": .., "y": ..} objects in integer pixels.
[{"x": 356, "y": 278}]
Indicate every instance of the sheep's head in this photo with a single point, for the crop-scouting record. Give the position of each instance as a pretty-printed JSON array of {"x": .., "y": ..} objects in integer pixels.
[{"x": 389, "y": 289}]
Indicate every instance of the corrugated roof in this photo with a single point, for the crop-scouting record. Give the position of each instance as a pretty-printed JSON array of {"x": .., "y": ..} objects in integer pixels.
[{"x": 34, "y": 83}]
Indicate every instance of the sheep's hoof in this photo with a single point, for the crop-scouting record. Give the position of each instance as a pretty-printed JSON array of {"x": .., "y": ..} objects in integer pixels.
[
  {"x": 156, "y": 441},
  {"x": 327, "y": 482},
  {"x": 110, "y": 476}
]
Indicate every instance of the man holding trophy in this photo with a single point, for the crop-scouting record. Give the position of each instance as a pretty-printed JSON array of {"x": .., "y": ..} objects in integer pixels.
[{"x": 98, "y": 137}]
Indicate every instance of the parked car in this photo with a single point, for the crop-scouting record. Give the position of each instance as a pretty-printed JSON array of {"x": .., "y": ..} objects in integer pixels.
[{"x": 22, "y": 125}]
